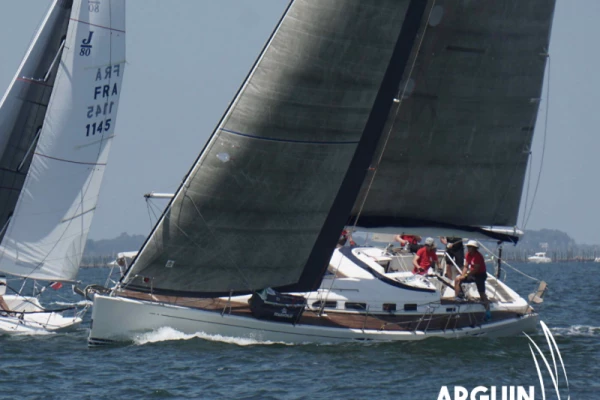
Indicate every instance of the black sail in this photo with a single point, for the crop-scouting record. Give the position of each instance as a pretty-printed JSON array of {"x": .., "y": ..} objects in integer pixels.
[
  {"x": 460, "y": 136},
  {"x": 24, "y": 105},
  {"x": 252, "y": 211}
]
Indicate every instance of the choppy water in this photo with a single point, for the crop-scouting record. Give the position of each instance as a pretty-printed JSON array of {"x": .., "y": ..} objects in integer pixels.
[{"x": 166, "y": 364}]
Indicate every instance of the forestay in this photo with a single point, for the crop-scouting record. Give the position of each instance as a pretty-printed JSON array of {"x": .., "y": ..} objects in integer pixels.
[
  {"x": 47, "y": 233},
  {"x": 460, "y": 137},
  {"x": 252, "y": 210}
]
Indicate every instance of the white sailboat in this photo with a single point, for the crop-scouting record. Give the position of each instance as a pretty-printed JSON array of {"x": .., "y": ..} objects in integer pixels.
[
  {"x": 539, "y": 258},
  {"x": 57, "y": 122},
  {"x": 387, "y": 117}
]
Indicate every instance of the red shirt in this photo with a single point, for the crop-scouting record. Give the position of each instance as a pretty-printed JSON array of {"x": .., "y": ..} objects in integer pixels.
[
  {"x": 476, "y": 258},
  {"x": 426, "y": 259},
  {"x": 410, "y": 239}
]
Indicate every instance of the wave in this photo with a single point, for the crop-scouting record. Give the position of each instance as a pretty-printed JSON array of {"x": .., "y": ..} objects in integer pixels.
[
  {"x": 577, "y": 330},
  {"x": 37, "y": 332},
  {"x": 169, "y": 334}
]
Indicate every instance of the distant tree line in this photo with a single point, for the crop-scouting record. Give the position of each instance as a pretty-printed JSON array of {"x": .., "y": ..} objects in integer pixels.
[
  {"x": 556, "y": 244},
  {"x": 99, "y": 253}
]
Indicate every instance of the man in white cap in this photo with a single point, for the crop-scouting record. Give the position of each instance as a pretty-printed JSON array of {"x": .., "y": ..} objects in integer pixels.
[
  {"x": 425, "y": 258},
  {"x": 473, "y": 271}
]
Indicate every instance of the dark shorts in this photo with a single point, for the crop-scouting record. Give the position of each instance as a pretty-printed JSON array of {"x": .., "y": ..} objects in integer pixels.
[
  {"x": 479, "y": 281},
  {"x": 458, "y": 255},
  {"x": 414, "y": 247}
]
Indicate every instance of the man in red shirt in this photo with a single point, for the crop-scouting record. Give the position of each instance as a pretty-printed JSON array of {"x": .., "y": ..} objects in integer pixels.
[
  {"x": 473, "y": 271},
  {"x": 346, "y": 236},
  {"x": 425, "y": 258},
  {"x": 410, "y": 242}
]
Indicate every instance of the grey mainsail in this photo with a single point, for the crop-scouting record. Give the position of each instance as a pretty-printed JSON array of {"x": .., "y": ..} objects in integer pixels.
[
  {"x": 256, "y": 208},
  {"x": 23, "y": 107},
  {"x": 282, "y": 174},
  {"x": 460, "y": 141}
]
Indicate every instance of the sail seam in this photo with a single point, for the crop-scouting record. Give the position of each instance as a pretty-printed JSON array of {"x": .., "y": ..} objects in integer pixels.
[
  {"x": 98, "y": 26},
  {"x": 286, "y": 140},
  {"x": 69, "y": 161},
  {"x": 78, "y": 215},
  {"x": 31, "y": 80}
]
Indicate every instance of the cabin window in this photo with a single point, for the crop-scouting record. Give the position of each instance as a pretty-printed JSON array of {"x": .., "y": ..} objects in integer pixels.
[
  {"x": 389, "y": 307},
  {"x": 451, "y": 309},
  {"x": 356, "y": 306},
  {"x": 328, "y": 304},
  {"x": 410, "y": 307}
]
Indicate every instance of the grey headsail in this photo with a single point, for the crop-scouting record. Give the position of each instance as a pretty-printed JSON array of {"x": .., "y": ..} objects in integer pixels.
[
  {"x": 23, "y": 107},
  {"x": 459, "y": 138},
  {"x": 253, "y": 208}
]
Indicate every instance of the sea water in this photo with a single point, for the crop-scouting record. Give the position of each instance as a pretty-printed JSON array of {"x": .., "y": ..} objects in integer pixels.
[{"x": 166, "y": 364}]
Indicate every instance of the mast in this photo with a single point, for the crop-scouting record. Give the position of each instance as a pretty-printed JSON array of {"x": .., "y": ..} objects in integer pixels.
[{"x": 318, "y": 261}]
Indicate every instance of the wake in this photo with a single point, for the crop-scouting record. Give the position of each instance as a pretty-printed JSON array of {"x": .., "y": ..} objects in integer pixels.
[{"x": 165, "y": 334}]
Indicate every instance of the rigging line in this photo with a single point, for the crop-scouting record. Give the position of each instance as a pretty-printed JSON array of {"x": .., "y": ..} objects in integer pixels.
[
  {"x": 96, "y": 25},
  {"x": 389, "y": 133},
  {"x": 219, "y": 242},
  {"x": 198, "y": 245},
  {"x": 68, "y": 221},
  {"x": 537, "y": 184},
  {"x": 28, "y": 177},
  {"x": 324, "y": 301},
  {"x": 151, "y": 207},
  {"x": 515, "y": 168},
  {"x": 77, "y": 210},
  {"x": 528, "y": 188},
  {"x": 507, "y": 264},
  {"x": 69, "y": 161},
  {"x": 31, "y": 80},
  {"x": 210, "y": 142}
]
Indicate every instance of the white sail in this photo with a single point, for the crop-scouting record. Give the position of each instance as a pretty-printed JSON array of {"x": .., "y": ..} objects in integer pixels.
[{"x": 47, "y": 232}]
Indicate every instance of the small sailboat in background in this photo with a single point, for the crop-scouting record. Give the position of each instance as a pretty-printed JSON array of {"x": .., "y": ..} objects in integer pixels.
[
  {"x": 386, "y": 117},
  {"x": 57, "y": 123}
]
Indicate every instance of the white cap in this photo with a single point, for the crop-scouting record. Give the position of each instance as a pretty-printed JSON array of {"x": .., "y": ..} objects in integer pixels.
[
  {"x": 429, "y": 241},
  {"x": 473, "y": 243}
]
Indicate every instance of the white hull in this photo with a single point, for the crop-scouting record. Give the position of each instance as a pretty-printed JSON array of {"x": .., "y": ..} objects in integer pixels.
[
  {"x": 122, "y": 319},
  {"x": 422, "y": 307},
  {"x": 29, "y": 319},
  {"x": 538, "y": 260}
]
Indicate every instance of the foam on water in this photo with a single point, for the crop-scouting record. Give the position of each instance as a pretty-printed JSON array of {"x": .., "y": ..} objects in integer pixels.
[
  {"x": 36, "y": 332},
  {"x": 166, "y": 334},
  {"x": 577, "y": 330}
]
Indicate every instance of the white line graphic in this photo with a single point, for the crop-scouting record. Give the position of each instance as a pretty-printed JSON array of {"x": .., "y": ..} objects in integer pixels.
[{"x": 553, "y": 375}]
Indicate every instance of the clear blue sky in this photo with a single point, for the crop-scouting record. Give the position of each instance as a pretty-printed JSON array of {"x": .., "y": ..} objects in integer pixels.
[{"x": 186, "y": 59}]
